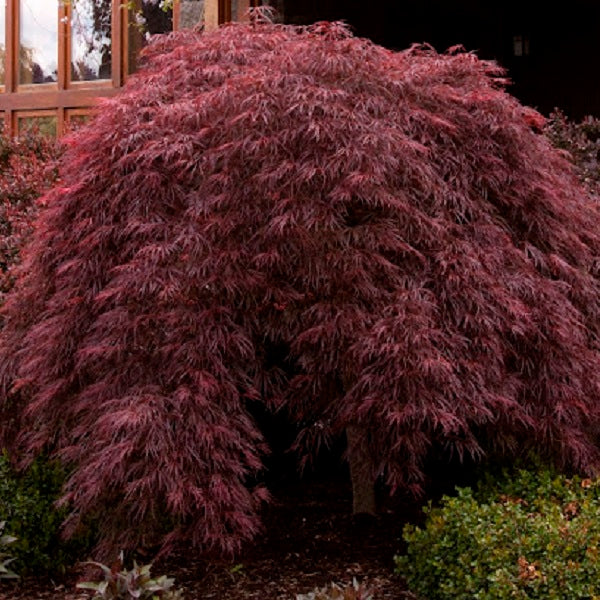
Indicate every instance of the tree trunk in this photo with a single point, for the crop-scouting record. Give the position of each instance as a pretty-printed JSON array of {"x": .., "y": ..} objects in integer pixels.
[{"x": 361, "y": 472}]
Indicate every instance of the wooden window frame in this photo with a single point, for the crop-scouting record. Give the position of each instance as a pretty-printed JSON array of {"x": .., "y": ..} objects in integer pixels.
[
  {"x": 75, "y": 112},
  {"x": 26, "y": 114},
  {"x": 225, "y": 9},
  {"x": 62, "y": 95}
]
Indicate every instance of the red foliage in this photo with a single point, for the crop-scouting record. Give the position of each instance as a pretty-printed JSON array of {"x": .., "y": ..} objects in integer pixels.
[
  {"x": 28, "y": 167},
  {"x": 299, "y": 217}
]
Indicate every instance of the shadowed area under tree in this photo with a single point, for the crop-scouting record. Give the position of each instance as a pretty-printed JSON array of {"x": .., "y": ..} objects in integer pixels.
[{"x": 301, "y": 219}]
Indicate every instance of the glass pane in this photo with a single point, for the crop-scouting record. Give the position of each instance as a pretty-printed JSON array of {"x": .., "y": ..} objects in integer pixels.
[
  {"x": 239, "y": 9},
  {"x": 2, "y": 37},
  {"x": 39, "y": 41},
  {"x": 191, "y": 13},
  {"x": 75, "y": 121},
  {"x": 155, "y": 19},
  {"x": 43, "y": 125},
  {"x": 90, "y": 40},
  {"x": 145, "y": 20}
]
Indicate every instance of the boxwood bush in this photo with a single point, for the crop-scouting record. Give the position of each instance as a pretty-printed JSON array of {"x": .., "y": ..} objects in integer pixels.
[
  {"x": 27, "y": 505},
  {"x": 533, "y": 535}
]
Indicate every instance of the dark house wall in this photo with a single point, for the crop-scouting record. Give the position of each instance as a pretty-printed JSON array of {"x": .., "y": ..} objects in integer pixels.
[{"x": 561, "y": 62}]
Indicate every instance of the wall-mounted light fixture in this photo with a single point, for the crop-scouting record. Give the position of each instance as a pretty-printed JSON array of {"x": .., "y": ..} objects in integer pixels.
[{"x": 520, "y": 45}]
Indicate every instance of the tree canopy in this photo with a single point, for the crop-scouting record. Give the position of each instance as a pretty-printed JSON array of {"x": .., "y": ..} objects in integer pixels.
[{"x": 300, "y": 218}]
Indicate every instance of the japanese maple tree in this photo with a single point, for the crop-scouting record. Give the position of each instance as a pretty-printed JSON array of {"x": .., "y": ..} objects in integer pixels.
[
  {"x": 376, "y": 242},
  {"x": 28, "y": 167}
]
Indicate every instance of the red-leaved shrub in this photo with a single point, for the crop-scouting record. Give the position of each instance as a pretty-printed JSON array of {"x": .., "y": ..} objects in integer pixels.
[
  {"x": 28, "y": 167},
  {"x": 300, "y": 218}
]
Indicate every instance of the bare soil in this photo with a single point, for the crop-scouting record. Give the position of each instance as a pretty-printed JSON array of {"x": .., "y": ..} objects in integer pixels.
[{"x": 310, "y": 540}]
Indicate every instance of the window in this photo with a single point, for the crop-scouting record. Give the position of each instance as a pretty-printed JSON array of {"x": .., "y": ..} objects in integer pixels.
[
  {"x": 58, "y": 56},
  {"x": 2, "y": 43},
  {"x": 45, "y": 122},
  {"x": 234, "y": 10},
  {"x": 191, "y": 12},
  {"x": 147, "y": 18},
  {"x": 38, "y": 41},
  {"x": 55, "y": 56},
  {"x": 75, "y": 118},
  {"x": 90, "y": 42}
]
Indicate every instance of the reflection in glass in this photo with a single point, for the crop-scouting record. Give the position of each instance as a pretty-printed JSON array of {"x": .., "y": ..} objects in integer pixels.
[
  {"x": 147, "y": 19},
  {"x": 44, "y": 125},
  {"x": 90, "y": 40},
  {"x": 38, "y": 48},
  {"x": 191, "y": 13},
  {"x": 75, "y": 121},
  {"x": 238, "y": 9},
  {"x": 2, "y": 37},
  {"x": 156, "y": 19}
]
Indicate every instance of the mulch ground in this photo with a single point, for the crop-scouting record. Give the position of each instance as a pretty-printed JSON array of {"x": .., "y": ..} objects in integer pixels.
[{"x": 310, "y": 540}]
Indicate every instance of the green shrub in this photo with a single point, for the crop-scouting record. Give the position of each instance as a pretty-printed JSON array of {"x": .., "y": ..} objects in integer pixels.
[
  {"x": 27, "y": 505},
  {"x": 536, "y": 535},
  {"x": 133, "y": 584}
]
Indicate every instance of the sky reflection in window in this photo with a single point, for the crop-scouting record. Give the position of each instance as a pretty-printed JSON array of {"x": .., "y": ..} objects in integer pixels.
[
  {"x": 38, "y": 49},
  {"x": 90, "y": 40},
  {"x": 2, "y": 38}
]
